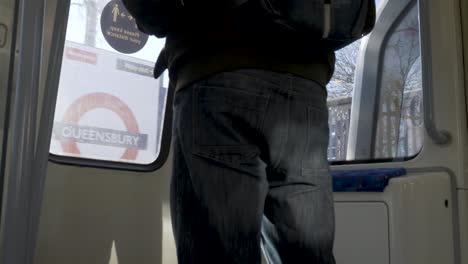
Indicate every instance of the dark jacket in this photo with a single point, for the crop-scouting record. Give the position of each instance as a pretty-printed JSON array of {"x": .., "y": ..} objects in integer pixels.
[{"x": 200, "y": 45}]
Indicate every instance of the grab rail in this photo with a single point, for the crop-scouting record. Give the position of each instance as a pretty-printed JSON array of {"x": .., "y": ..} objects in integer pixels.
[{"x": 439, "y": 137}]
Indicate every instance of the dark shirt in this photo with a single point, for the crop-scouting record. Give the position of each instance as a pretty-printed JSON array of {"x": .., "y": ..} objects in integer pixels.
[{"x": 198, "y": 47}]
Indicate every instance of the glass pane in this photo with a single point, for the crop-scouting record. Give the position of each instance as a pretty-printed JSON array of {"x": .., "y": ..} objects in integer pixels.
[
  {"x": 109, "y": 106},
  {"x": 340, "y": 92},
  {"x": 400, "y": 130},
  {"x": 400, "y": 125}
]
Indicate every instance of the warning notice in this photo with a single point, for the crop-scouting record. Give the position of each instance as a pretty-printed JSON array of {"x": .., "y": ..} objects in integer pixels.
[
  {"x": 134, "y": 67},
  {"x": 109, "y": 107},
  {"x": 81, "y": 55},
  {"x": 120, "y": 29}
]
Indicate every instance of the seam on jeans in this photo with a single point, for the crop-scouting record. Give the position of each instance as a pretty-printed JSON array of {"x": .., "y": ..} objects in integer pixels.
[
  {"x": 228, "y": 165},
  {"x": 317, "y": 188},
  {"x": 194, "y": 102},
  {"x": 307, "y": 140},
  {"x": 213, "y": 151},
  {"x": 261, "y": 127},
  {"x": 184, "y": 152},
  {"x": 284, "y": 139},
  {"x": 235, "y": 89},
  {"x": 311, "y": 111},
  {"x": 259, "y": 79}
]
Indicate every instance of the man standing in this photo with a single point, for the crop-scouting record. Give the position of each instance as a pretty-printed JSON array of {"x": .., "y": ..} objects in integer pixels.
[{"x": 250, "y": 138}]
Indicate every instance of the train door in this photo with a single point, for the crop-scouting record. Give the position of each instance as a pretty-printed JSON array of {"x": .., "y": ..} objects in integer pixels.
[
  {"x": 79, "y": 81},
  {"x": 397, "y": 142},
  {"x": 108, "y": 177},
  {"x": 23, "y": 153},
  {"x": 398, "y": 138}
]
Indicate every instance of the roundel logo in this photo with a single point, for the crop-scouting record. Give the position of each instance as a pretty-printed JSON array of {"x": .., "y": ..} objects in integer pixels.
[{"x": 70, "y": 133}]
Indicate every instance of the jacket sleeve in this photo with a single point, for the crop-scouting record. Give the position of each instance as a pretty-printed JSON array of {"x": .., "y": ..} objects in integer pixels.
[{"x": 153, "y": 17}]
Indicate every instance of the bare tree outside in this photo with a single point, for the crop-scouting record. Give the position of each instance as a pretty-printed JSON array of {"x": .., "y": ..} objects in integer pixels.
[
  {"x": 342, "y": 83},
  {"x": 401, "y": 83},
  {"x": 89, "y": 10},
  {"x": 340, "y": 91},
  {"x": 399, "y": 130}
]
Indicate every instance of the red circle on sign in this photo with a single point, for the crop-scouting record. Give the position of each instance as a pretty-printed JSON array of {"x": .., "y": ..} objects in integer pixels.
[{"x": 93, "y": 101}]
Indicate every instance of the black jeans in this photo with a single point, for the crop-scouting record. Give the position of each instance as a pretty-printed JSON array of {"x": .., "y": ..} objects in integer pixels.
[{"x": 250, "y": 166}]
